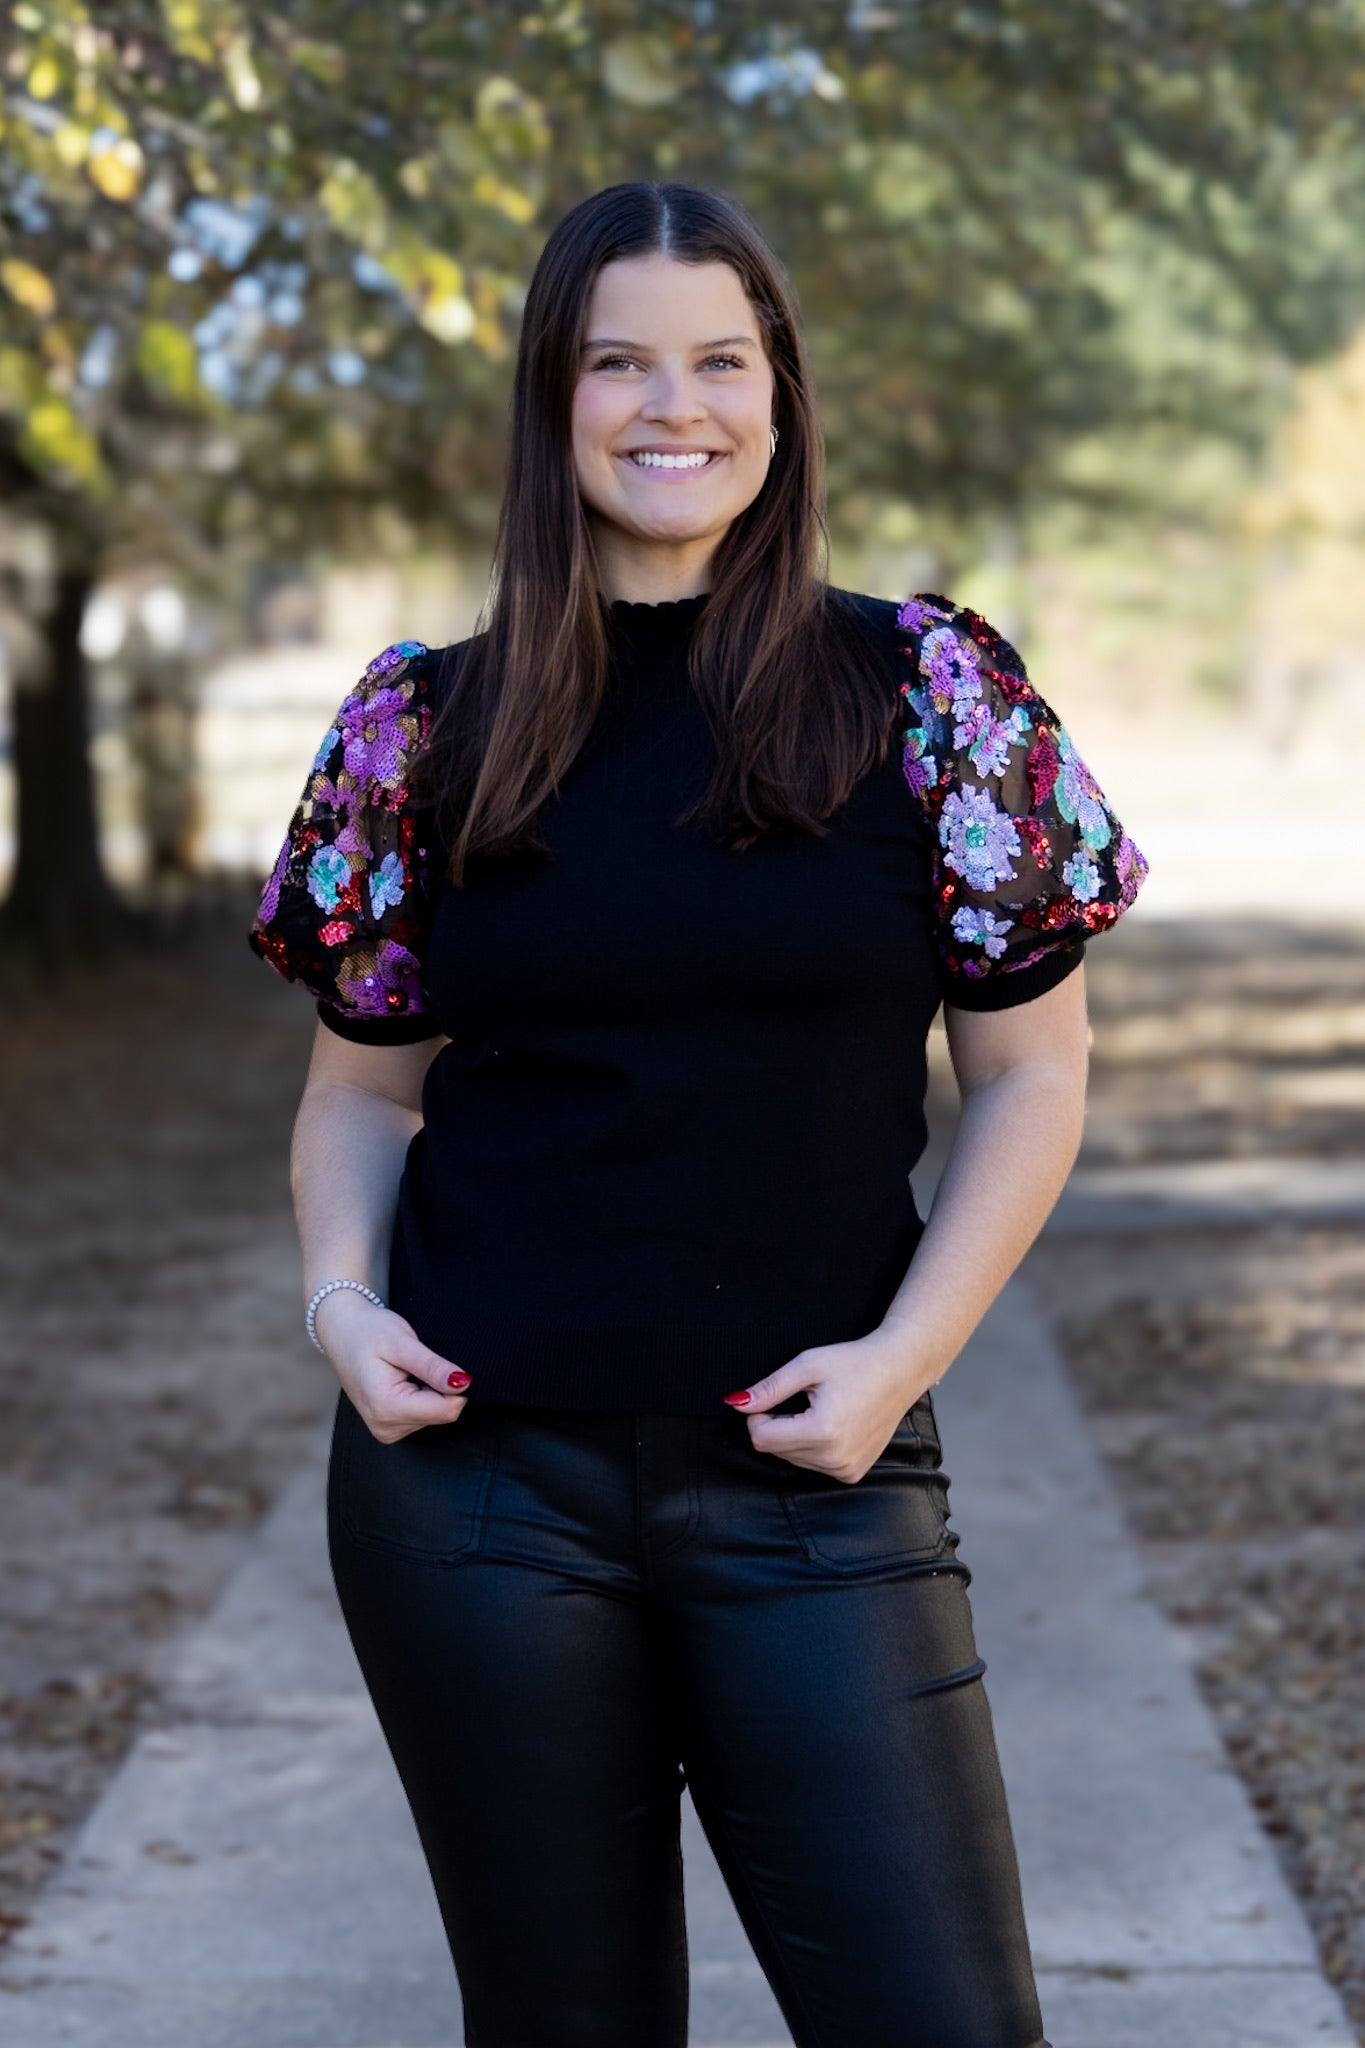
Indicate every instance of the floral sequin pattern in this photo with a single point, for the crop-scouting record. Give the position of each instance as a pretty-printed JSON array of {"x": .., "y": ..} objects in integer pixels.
[
  {"x": 1028, "y": 853},
  {"x": 345, "y": 909}
]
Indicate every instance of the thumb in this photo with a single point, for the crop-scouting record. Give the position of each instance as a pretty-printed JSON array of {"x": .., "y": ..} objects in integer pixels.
[
  {"x": 411, "y": 1355},
  {"x": 766, "y": 1393}
]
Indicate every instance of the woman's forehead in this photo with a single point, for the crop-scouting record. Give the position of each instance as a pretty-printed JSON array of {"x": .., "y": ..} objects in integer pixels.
[{"x": 633, "y": 289}]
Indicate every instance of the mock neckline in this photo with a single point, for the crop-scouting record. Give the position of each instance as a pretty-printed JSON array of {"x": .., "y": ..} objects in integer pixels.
[
  {"x": 627, "y": 608},
  {"x": 650, "y": 637},
  {"x": 655, "y": 625}
]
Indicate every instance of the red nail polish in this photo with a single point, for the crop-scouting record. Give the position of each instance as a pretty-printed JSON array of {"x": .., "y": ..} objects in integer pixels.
[
  {"x": 740, "y": 1400},
  {"x": 459, "y": 1380}
]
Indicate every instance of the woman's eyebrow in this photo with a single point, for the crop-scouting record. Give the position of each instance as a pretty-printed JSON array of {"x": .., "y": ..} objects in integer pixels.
[{"x": 615, "y": 341}]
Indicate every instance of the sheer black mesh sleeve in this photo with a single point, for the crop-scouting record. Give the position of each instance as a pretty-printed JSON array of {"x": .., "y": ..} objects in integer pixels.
[
  {"x": 346, "y": 910},
  {"x": 1030, "y": 860}
]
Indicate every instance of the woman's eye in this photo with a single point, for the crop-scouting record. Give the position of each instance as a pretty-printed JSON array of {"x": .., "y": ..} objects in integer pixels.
[{"x": 610, "y": 362}]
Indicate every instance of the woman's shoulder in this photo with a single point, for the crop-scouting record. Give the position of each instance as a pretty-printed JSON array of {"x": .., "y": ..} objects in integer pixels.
[
  {"x": 879, "y": 613},
  {"x": 872, "y": 623}
]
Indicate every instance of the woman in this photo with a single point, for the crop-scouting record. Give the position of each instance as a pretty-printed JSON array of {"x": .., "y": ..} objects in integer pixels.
[{"x": 627, "y": 920}]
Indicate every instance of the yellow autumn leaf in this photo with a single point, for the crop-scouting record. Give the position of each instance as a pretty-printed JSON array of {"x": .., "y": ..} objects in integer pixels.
[
  {"x": 186, "y": 29},
  {"x": 243, "y": 81},
  {"x": 423, "y": 271},
  {"x": 504, "y": 111},
  {"x": 71, "y": 143},
  {"x": 450, "y": 317},
  {"x": 508, "y": 199},
  {"x": 639, "y": 69},
  {"x": 44, "y": 79},
  {"x": 434, "y": 283},
  {"x": 21, "y": 380},
  {"x": 56, "y": 439},
  {"x": 415, "y": 177},
  {"x": 168, "y": 359},
  {"x": 27, "y": 285},
  {"x": 354, "y": 203},
  {"x": 118, "y": 170}
]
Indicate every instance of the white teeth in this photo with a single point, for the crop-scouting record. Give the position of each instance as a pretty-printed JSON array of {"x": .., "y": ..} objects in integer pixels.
[{"x": 648, "y": 461}]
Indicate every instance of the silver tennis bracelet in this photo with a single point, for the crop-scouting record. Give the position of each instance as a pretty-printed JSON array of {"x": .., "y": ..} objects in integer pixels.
[{"x": 330, "y": 1287}]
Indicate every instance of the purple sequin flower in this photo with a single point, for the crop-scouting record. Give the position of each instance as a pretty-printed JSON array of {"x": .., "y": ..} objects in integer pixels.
[
  {"x": 365, "y": 980},
  {"x": 921, "y": 769},
  {"x": 270, "y": 895},
  {"x": 914, "y": 612},
  {"x": 376, "y": 733},
  {"x": 395, "y": 657},
  {"x": 328, "y": 873},
  {"x": 980, "y": 841},
  {"x": 386, "y": 884},
  {"x": 1131, "y": 868},
  {"x": 988, "y": 739},
  {"x": 982, "y": 928},
  {"x": 353, "y": 839},
  {"x": 953, "y": 667}
]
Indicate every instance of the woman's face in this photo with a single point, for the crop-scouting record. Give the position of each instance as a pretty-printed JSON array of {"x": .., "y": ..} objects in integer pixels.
[{"x": 673, "y": 365}]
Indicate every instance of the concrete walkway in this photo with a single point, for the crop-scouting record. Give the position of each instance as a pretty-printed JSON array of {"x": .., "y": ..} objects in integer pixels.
[{"x": 252, "y": 1880}]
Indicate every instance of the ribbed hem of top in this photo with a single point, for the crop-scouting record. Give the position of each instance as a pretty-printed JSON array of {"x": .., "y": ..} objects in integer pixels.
[{"x": 663, "y": 1368}]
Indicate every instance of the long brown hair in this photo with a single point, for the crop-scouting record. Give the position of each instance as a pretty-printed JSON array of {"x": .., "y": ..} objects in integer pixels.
[{"x": 798, "y": 711}]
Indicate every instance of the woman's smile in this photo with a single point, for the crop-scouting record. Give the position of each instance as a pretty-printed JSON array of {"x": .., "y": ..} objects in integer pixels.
[{"x": 672, "y": 465}]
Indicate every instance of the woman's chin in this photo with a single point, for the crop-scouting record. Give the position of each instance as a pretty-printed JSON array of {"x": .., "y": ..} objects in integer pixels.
[{"x": 676, "y": 522}]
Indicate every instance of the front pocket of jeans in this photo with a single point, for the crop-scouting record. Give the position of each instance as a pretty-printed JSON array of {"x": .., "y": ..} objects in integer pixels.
[
  {"x": 897, "y": 1513},
  {"x": 424, "y": 1497}
]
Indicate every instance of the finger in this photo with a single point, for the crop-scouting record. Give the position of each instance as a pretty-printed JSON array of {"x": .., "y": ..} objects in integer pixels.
[
  {"x": 404, "y": 1407},
  {"x": 409, "y": 1354},
  {"x": 760, "y": 1395}
]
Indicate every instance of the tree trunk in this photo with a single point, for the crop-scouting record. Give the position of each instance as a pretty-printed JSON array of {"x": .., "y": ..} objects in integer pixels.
[{"x": 61, "y": 912}]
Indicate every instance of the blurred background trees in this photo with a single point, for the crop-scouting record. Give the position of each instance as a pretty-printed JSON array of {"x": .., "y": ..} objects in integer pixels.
[{"x": 1065, "y": 269}]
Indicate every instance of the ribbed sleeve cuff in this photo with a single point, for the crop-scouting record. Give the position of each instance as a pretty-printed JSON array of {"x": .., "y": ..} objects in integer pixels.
[
  {"x": 1019, "y": 985},
  {"x": 379, "y": 1030}
]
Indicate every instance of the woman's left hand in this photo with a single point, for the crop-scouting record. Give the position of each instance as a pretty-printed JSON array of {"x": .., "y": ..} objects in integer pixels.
[{"x": 858, "y": 1392}]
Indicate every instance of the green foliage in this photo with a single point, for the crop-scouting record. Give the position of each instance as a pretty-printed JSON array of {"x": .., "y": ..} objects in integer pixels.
[{"x": 1043, "y": 249}]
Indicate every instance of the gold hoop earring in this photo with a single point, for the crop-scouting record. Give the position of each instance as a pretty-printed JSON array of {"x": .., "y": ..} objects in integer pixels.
[{"x": 772, "y": 440}]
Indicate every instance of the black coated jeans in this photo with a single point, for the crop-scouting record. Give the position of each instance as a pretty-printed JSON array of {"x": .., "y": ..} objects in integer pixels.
[{"x": 564, "y": 1616}]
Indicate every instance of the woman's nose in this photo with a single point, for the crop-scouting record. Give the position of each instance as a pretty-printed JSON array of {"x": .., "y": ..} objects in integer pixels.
[{"x": 672, "y": 399}]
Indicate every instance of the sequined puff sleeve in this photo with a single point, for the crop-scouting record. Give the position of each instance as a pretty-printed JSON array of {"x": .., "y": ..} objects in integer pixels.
[
  {"x": 346, "y": 911},
  {"x": 1030, "y": 862}
]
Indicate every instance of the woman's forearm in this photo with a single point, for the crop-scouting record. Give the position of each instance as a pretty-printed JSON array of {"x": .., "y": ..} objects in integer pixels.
[
  {"x": 1015, "y": 1144},
  {"x": 345, "y": 1163}
]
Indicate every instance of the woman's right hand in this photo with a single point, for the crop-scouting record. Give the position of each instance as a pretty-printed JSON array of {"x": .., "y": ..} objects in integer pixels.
[{"x": 396, "y": 1383}]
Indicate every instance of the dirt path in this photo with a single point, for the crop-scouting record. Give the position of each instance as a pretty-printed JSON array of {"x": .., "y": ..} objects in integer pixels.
[
  {"x": 1223, "y": 1370},
  {"x": 155, "y": 1386}
]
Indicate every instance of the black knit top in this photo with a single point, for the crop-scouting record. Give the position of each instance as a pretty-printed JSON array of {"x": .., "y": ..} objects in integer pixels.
[{"x": 668, "y": 1136}]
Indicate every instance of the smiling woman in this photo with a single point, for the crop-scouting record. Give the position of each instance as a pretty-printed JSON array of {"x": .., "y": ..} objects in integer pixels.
[{"x": 627, "y": 920}]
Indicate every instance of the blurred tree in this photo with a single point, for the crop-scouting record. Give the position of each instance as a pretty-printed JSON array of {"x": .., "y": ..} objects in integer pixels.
[{"x": 263, "y": 266}]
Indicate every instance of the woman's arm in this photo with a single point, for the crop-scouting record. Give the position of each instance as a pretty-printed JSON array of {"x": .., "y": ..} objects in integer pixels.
[
  {"x": 360, "y": 1109},
  {"x": 1022, "y": 1074}
]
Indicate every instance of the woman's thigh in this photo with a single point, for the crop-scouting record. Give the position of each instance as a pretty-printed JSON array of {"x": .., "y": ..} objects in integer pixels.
[
  {"x": 486, "y": 1574},
  {"x": 839, "y": 1748}
]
